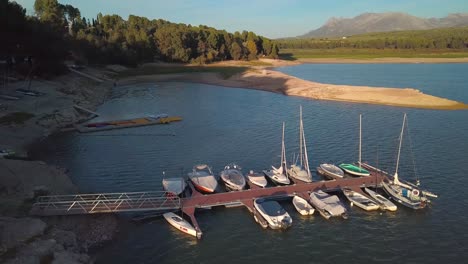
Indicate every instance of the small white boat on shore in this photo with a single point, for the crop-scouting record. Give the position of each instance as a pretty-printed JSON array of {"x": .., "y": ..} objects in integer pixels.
[
  {"x": 360, "y": 200},
  {"x": 273, "y": 213},
  {"x": 174, "y": 186},
  {"x": 302, "y": 206},
  {"x": 180, "y": 223},
  {"x": 203, "y": 179},
  {"x": 385, "y": 204},
  {"x": 257, "y": 179},
  {"x": 233, "y": 177}
]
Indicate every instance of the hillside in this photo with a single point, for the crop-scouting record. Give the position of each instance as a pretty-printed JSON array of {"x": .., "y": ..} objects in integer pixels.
[{"x": 384, "y": 22}]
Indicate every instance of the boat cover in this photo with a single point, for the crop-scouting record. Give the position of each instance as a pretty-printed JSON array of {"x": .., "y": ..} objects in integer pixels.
[{"x": 324, "y": 201}]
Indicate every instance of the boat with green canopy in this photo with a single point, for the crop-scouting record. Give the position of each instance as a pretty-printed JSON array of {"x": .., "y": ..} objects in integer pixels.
[{"x": 351, "y": 168}]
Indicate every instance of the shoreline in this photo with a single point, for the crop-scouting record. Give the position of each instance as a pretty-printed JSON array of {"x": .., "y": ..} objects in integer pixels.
[
  {"x": 383, "y": 60},
  {"x": 265, "y": 79},
  {"x": 25, "y": 238}
]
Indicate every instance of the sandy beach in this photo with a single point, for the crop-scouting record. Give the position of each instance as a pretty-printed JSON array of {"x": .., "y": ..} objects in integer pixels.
[{"x": 266, "y": 79}]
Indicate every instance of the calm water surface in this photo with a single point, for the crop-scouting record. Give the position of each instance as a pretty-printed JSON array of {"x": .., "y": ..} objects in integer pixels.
[{"x": 223, "y": 125}]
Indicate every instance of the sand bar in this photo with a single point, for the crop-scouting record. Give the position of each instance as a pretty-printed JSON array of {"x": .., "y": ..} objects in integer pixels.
[{"x": 266, "y": 79}]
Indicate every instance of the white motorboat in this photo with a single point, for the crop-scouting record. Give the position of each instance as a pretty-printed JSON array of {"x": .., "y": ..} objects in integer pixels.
[
  {"x": 330, "y": 170},
  {"x": 301, "y": 171},
  {"x": 279, "y": 175},
  {"x": 233, "y": 177},
  {"x": 360, "y": 200},
  {"x": 174, "y": 186},
  {"x": 302, "y": 206},
  {"x": 273, "y": 213},
  {"x": 180, "y": 223},
  {"x": 257, "y": 179},
  {"x": 328, "y": 205},
  {"x": 384, "y": 203},
  {"x": 203, "y": 179}
]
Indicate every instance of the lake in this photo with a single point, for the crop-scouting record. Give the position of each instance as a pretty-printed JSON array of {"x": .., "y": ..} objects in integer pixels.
[{"x": 223, "y": 125}]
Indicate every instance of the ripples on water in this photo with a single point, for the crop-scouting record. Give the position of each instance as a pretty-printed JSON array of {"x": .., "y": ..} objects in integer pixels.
[{"x": 223, "y": 125}]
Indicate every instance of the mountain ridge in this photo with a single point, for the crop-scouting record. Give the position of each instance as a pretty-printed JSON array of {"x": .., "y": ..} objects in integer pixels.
[{"x": 383, "y": 22}]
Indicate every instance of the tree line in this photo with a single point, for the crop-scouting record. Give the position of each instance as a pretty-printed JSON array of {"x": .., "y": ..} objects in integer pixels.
[
  {"x": 57, "y": 32},
  {"x": 446, "y": 38}
]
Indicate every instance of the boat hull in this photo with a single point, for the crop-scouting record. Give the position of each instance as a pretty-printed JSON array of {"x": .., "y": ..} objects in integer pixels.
[
  {"x": 297, "y": 173},
  {"x": 330, "y": 171},
  {"x": 302, "y": 206},
  {"x": 361, "y": 200},
  {"x": 174, "y": 186},
  {"x": 257, "y": 179},
  {"x": 180, "y": 224},
  {"x": 279, "y": 221},
  {"x": 233, "y": 179},
  {"x": 394, "y": 191},
  {"x": 354, "y": 170},
  {"x": 277, "y": 178},
  {"x": 385, "y": 204}
]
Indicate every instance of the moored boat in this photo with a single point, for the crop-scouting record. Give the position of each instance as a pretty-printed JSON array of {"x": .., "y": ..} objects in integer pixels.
[
  {"x": 301, "y": 171},
  {"x": 360, "y": 200},
  {"x": 203, "y": 179},
  {"x": 257, "y": 179},
  {"x": 351, "y": 168},
  {"x": 273, "y": 213},
  {"x": 328, "y": 205},
  {"x": 406, "y": 194},
  {"x": 354, "y": 170},
  {"x": 233, "y": 177},
  {"x": 302, "y": 206},
  {"x": 174, "y": 186},
  {"x": 384, "y": 203},
  {"x": 279, "y": 175},
  {"x": 180, "y": 223},
  {"x": 330, "y": 170}
]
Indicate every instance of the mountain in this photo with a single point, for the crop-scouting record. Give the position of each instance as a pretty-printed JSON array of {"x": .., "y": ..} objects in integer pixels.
[{"x": 383, "y": 22}]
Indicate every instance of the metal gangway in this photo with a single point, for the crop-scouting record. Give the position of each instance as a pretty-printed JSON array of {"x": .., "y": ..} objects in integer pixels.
[{"x": 105, "y": 203}]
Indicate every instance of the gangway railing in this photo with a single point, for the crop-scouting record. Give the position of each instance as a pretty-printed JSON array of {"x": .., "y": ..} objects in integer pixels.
[{"x": 105, "y": 203}]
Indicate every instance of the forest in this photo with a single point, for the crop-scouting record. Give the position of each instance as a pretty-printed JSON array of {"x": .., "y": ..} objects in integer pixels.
[
  {"x": 57, "y": 32},
  {"x": 445, "y": 38}
]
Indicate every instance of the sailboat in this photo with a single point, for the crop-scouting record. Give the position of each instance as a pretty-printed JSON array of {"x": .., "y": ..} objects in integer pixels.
[
  {"x": 301, "y": 171},
  {"x": 406, "y": 193},
  {"x": 351, "y": 168},
  {"x": 279, "y": 175}
]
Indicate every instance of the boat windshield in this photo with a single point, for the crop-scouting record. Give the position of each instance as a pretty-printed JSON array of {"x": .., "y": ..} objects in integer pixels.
[
  {"x": 273, "y": 208},
  {"x": 202, "y": 170}
]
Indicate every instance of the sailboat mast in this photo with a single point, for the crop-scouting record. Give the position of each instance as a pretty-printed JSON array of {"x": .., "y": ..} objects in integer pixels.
[
  {"x": 399, "y": 147},
  {"x": 300, "y": 135},
  {"x": 306, "y": 158},
  {"x": 360, "y": 138},
  {"x": 283, "y": 151}
]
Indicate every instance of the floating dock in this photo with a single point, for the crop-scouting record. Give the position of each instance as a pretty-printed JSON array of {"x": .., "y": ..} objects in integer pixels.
[
  {"x": 154, "y": 201},
  {"x": 126, "y": 123}
]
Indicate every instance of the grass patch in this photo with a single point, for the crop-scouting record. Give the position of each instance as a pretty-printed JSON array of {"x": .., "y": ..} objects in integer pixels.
[
  {"x": 346, "y": 53},
  {"x": 225, "y": 71},
  {"x": 15, "y": 118}
]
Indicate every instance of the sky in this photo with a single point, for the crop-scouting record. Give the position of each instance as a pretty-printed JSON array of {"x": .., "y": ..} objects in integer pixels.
[{"x": 269, "y": 18}]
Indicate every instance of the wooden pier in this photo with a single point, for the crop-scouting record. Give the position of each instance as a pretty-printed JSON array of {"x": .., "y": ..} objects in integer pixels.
[{"x": 159, "y": 201}]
